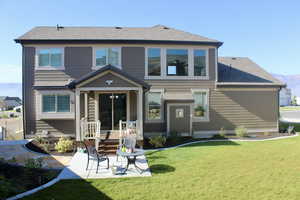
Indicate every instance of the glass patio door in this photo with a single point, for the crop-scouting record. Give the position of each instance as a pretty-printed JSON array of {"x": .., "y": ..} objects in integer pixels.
[{"x": 112, "y": 109}]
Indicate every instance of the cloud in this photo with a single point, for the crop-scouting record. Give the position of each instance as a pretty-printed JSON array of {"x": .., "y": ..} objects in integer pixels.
[{"x": 10, "y": 74}]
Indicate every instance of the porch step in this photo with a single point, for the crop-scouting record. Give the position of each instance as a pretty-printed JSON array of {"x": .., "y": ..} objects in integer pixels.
[{"x": 109, "y": 146}]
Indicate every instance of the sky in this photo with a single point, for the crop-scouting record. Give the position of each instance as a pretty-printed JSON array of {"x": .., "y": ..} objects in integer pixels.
[{"x": 268, "y": 32}]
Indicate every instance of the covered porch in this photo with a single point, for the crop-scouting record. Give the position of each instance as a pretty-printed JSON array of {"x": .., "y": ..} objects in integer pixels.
[{"x": 108, "y": 104}]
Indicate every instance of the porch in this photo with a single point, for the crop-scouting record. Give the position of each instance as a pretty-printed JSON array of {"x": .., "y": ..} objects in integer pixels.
[{"x": 108, "y": 102}]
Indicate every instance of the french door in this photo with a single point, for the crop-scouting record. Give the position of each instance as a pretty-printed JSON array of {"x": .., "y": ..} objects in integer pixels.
[{"x": 112, "y": 109}]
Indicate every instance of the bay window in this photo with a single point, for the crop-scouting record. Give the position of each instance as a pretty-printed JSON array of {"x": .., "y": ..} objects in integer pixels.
[
  {"x": 154, "y": 61},
  {"x": 106, "y": 56},
  {"x": 199, "y": 62},
  {"x": 177, "y": 62}
]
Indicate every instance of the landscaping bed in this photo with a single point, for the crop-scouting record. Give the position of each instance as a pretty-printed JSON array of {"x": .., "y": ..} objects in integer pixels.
[{"x": 16, "y": 179}]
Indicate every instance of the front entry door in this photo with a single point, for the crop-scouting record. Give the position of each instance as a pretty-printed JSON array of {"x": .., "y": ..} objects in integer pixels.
[
  {"x": 179, "y": 119},
  {"x": 112, "y": 109}
]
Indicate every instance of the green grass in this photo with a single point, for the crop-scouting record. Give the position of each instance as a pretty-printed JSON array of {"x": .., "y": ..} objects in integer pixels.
[
  {"x": 214, "y": 170},
  {"x": 289, "y": 108}
]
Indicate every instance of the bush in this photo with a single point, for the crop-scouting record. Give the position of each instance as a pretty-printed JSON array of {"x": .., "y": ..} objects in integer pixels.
[
  {"x": 241, "y": 131},
  {"x": 222, "y": 132},
  {"x": 34, "y": 163},
  {"x": 64, "y": 145},
  {"x": 157, "y": 141},
  {"x": 40, "y": 139}
]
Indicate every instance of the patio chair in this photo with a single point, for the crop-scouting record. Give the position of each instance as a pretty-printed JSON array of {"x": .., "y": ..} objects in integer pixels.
[{"x": 92, "y": 153}]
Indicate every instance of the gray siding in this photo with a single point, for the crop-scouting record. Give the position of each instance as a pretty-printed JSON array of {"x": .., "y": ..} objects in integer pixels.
[
  {"x": 133, "y": 105},
  {"x": 28, "y": 94},
  {"x": 56, "y": 127},
  {"x": 78, "y": 62},
  {"x": 253, "y": 109},
  {"x": 133, "y": 61},
  {"x": 212, "y": 64}
]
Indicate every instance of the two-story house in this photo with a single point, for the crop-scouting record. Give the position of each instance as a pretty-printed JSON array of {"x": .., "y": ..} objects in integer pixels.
[{"x": 158, "y": 79}]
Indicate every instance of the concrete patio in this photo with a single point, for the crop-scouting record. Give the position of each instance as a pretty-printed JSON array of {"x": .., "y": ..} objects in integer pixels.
[{"x": 77, "y": 168}]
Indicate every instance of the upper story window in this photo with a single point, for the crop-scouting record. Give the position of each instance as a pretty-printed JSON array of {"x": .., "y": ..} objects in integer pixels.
[
  {"x": 199, "y": 62},
  {"x": 177, "y": 62},
  {"x": 153, "y": 61},
  {"x": 55, "y": 103},
  {"x": 154, "y": 106},
  {"x": 50, "y": 58},
  {"x": 201, "y": 107},
  {"x": 105, "y": 56}
]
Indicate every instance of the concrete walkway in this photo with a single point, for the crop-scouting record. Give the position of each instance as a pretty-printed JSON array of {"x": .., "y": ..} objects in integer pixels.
[{"x": 77, "y": 168}]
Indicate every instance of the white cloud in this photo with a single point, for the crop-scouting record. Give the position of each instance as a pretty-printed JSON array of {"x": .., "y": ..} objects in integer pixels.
[{"x": 10, "y": 74}]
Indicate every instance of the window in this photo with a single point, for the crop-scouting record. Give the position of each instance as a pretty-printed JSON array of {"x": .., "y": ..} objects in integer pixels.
[
  {"x": 154, "y": 62},
  {"x": 105, "y": 56},
  {"x": 179, "y": 113},
  {"x": 153, "y": 105},
  {"x": 201, "y": 104},
  {"x": 51, "y": 57},
  {"x": 56, "y": 103},
  {"x": 177, "y": 62},
  {"x": 199, "y": 63}
]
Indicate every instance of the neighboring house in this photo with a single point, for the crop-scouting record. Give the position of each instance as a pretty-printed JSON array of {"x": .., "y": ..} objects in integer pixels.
[
  {"x": 163, "y": 79},
  {"x": 297, "y": 101},
  {"x": 9, "y": 103},
  {"x": 285, "y": 97}
]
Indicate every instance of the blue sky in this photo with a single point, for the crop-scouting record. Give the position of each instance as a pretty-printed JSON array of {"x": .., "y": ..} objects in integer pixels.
[{"x": 266, "y": 31}]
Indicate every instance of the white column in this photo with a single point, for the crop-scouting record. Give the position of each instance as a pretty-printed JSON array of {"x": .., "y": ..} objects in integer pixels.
[
  {"x": 86, "y": 105},
  {"x": 140, "y": 112},
  {"x": 77, "y": 114}
]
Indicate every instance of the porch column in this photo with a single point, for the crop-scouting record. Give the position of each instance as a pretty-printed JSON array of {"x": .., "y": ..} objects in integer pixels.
[
  {"x": 77, "y": 114},
  {"x": 140, "y": 112},
  {"x": 85, "y": 105}
]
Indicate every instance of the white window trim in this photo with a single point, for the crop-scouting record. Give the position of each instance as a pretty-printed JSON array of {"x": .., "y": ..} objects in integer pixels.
[
  {"x": 205, "y": 118},
  {"x": 161, "y": 107},
  {"x": 95, "y": 67},
  {"x": 146, "y": 63},
  {"x": 37, "y": 50},
  {"x": 163, "y": 61},
  {"x": 54, "y": 115}
]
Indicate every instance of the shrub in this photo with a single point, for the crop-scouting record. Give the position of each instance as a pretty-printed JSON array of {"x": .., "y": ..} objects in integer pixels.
[
  {"x": 241, "y": 131},
  {"x": 40, "y": 139},
  {"x": 157, "y": 141},
  {"x": 34, "y": 163},
  {"x": 64, "y": 145},
  {"x": 222, "y": 132}
]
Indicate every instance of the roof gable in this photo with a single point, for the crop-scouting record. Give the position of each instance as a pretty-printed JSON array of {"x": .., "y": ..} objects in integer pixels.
[{"x": 108, "y": 76}]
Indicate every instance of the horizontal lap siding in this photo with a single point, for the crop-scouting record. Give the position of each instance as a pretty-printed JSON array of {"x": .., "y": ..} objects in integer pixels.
[
  {"x": 78, "y": 62},
  {"x": 56, "y": 127},
  {"x": 91, "y": 106},
  {"x": 133, "y": 105},
  {"x": 252, "y": 109}
]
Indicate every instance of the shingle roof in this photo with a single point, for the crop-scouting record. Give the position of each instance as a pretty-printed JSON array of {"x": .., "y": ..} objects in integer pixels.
[
  {"x": 156, "y": 33},
  {"x": 243, "y": 71}
]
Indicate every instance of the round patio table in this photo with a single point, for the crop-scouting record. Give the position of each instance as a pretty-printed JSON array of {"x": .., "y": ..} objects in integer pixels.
[{"x": 131, "y": 158}]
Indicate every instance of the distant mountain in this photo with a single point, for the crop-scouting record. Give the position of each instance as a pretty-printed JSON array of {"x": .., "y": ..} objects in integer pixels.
[
  {"x": 292, "y": 81},
  {"x": 11, "y": 89}
]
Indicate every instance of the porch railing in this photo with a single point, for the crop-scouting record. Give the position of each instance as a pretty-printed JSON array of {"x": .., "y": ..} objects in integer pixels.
[
  {"x": 127, "y": 128},
  {"x": 90, "y": 130}
]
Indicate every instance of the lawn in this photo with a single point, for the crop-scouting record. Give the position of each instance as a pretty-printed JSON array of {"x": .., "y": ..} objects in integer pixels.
[
  {"x": 289, "y": 108},
  {"x": 214, "y": 170}
]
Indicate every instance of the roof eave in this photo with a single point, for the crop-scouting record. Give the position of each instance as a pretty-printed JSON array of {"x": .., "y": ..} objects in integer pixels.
[
  {"x": 249, "y": 84},
  {"x": 90, "y": 41}
]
